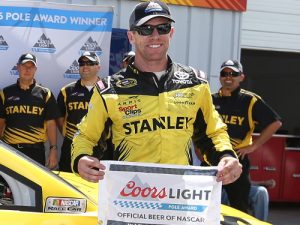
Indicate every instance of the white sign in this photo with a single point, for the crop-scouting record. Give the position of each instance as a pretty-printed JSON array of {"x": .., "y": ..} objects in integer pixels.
[{"x": 144, "y": 193}]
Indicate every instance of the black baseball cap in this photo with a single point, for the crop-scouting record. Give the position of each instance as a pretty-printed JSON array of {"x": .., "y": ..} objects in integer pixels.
[
  {"x": 27, "y": 57},
  {"x": 232, "y": 64},
  {"x": 148, "y": 10},
  {"x": 92, "y": 56}
]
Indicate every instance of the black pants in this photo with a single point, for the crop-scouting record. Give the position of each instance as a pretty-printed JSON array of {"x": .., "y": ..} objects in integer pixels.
[
  {"x": 33, "y": 151},
  {"x": 238, "y": 191},
  {"x": 65, "y": 156}
]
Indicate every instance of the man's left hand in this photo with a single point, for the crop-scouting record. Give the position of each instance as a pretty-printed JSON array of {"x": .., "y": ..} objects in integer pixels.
[{"x": 52, "y": 159}]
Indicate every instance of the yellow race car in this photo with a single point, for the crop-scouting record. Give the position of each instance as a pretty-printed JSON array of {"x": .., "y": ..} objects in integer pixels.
[{"x": 31, "y": 194}]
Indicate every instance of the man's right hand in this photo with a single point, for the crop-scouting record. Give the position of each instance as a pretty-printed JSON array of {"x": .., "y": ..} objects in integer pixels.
[{"x": 90, "y": 169}]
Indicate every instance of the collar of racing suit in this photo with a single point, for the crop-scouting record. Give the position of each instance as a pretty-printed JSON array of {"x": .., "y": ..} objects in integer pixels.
[
  {"x": 136, "y": 71},
  {"x": 233, "y": 94}
]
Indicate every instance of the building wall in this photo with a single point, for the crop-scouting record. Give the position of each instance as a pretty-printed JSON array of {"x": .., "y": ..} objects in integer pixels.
[
  {"x": 270, "y": 44},
  {"x": 272, "y": 25},
  {"x": 204, "y": 38}
]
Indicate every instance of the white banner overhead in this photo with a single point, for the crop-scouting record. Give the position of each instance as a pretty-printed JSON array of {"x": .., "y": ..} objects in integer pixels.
[
  {"x": 57, "y": 34},
  {"x": 144, "y": 194}
]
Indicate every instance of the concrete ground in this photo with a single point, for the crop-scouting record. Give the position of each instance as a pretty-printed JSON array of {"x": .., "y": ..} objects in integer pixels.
[{"x": 284, "y": 213}]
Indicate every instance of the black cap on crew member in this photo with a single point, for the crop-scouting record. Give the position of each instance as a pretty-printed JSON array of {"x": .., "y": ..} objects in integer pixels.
[
  {"x": 27, "y": 57},
  {"x": 92, "y": 56},
  {"x": 232, "y": 64}
]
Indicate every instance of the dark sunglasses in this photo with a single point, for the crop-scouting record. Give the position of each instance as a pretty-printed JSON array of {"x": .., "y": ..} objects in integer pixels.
[
  {"x": 227, "y": 74},
  {"x": 146, "y": 30},
  {"x": 87, "y": 63}
]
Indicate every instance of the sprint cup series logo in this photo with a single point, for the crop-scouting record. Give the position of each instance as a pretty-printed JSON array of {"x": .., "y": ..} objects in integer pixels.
[
  {"x": 44, "y": 44},
  {"x": 3, "y": 44},
  {"x": 90, "y": 45},
  {"x": 136, "y": 195},
  {"x": 73, "y": 71}
]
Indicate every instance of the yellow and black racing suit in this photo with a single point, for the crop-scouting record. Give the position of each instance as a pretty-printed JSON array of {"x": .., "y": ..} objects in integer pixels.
[{"x": 154, "y": 120}]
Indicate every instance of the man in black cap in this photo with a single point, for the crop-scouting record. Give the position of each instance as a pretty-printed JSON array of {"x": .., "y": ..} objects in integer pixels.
[
  {"x": 73, "y": 100},
  {"x": 156, "y": 108},
  {"x": 27, "y": 114},
  {"x": 243, "y": 112}
]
